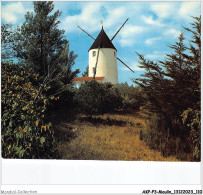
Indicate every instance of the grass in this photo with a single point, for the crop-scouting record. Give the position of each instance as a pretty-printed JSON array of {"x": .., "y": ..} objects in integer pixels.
[{"x": 106, "y": 137}]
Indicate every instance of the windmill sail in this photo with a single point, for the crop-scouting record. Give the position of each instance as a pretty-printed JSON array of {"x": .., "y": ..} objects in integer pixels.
[
  {"x": 125, "y": 64},
  {"x": 95, "y": 69},
  {"x": 119, "y": 30},
  {"x": 105, "y": 64},
  {"x": 86, "y": 33}
]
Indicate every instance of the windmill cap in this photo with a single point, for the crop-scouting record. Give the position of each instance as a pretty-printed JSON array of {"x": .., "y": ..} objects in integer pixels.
[{"x": 102, "y": 40}]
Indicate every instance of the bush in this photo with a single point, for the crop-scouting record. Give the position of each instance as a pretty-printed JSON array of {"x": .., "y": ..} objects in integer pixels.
[
  {"x": 98, "y": 98},
  {"x": 25, "y": 131},
  {"x": 63, "y": 106},
  {"x": 158, "y": 136},
  {"x": 192, "y": 119},
  {"x": 132, "y": 97}
]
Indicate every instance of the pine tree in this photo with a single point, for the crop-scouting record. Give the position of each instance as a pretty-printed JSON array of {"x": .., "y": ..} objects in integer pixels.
[
  {"x": 172, "y": 87},
  {"x": 192, "y": 115},
  {"x": 85, "y": 73},
  {"x": 7, "y": 43},
  {"x": 41, "y": 45}
]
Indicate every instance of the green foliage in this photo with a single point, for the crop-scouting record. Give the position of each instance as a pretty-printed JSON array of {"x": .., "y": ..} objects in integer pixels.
[
  {"x": 158, "y": 136},
  {"x": 193, "y": 120},
  {"x": 43, "y": 47},
  {"x": 7, "y": 43},
  {"x": 132, "y": 97},
  {"x": 172, "y": 87},
  {"x": 98, "y": 98},
  {"x": 25, "y": 132},
  {"x": 41, "y": 81},
  {"x": 62, "y": 107},
  {"x": 85, "y": 74},
  {"x": 39, "y": 44}
]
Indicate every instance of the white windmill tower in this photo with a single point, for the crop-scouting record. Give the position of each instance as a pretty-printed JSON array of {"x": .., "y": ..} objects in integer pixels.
[{"x": 102, "y": 59}]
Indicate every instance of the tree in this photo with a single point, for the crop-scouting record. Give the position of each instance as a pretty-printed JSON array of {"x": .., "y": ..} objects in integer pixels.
[
  {"x": 172, "y": 87},
  {"x": 98, "y": 98},
  {"x": 192, "y": 115},
  {"x": 132, "y": 97},
  {"x": 7, "y": 43},
  {"x": 41, "y": 45},
  {"x": 85, "y": 73},
  {"x": 42, "y": 72}
]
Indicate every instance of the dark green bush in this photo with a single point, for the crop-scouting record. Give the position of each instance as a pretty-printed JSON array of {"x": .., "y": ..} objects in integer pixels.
[
  {"x": 158, "y": 136},
  {"x": 132, "y": 97},
  {"x": 64, "y": 103},
  {"x": 98, "y": 98},
  {"x": 192, "y": 119}
]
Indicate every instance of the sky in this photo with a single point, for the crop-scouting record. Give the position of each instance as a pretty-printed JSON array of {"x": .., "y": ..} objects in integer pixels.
[{"x": 151, "y": 28}]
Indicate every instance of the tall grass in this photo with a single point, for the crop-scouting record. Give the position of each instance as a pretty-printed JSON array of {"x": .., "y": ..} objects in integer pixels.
[
  {"x": 157, "y": 136},
  {"x": 108, "y": 137}
]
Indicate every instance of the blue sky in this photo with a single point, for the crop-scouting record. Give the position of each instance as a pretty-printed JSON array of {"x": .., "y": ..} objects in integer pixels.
[{"x": 151, "y": 27}]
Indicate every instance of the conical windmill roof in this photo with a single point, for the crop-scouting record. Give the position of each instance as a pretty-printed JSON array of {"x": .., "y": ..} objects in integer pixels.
[{"x": 103, "y": 40}]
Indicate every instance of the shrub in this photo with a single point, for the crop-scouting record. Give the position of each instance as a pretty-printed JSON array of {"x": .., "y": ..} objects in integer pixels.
[
  {"x": 132, "y": 97},
  {"x": 192, "y": 119},
  {"x": 63, "y": 106},
  {"x": 25, "y": 131},
  {"x": 158, "y": 136},
  {"x": 98, "y": 98}
]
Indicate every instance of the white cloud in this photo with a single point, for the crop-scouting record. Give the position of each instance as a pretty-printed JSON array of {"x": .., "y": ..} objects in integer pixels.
[
  {"x": 172, "y": 9},
  {"x": 114, "y": 16},
  {"x": 149, "y": 20},
  {"x": 163, "y": 10},
  {"x": 131, "y": 30},
  {"x": 126, "y": 42},
  {"x": 92, "y": 14},
  {"x": 172, "y": 32},
  {"x": 86, "y": 19},
  {"x": 156, "y": 55},
  {"x": 128, "y": 34},
  {"x": 134, "y": 66},
  {"x": 188, "y": 9},
  {"x": 152, "y": 40},
  {"x": 12, "y": 12}
]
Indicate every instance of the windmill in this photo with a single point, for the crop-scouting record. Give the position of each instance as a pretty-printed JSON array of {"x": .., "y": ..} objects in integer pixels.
[{"x": 103, "y": 58}]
